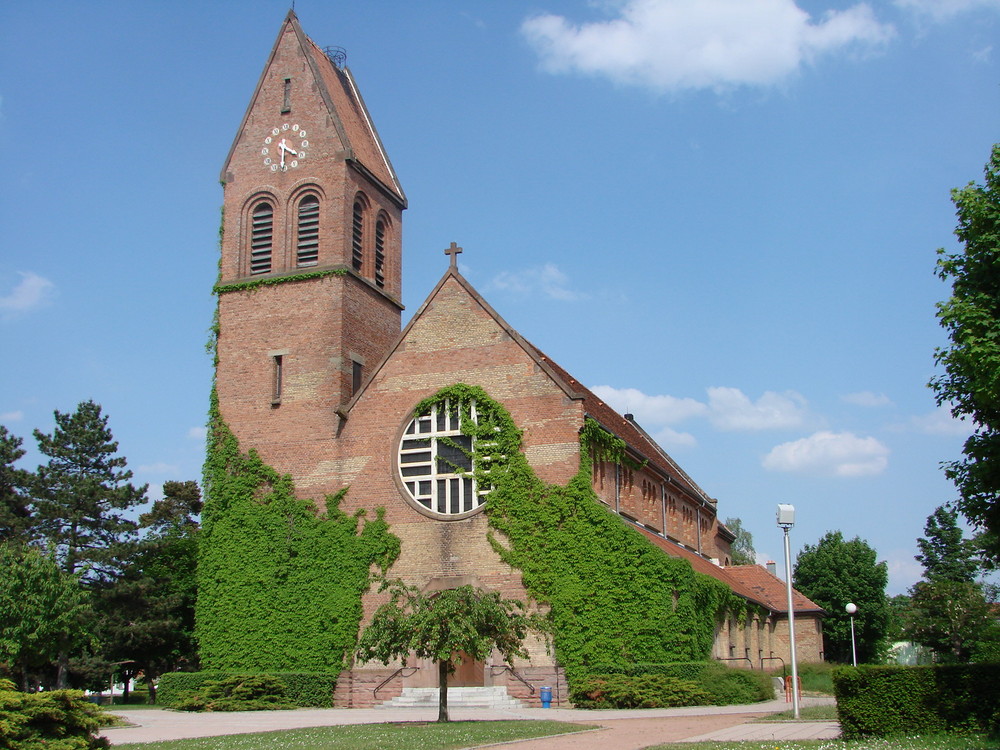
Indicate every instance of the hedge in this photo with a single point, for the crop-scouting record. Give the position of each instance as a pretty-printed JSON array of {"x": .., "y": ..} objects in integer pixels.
[
  {"x": 725, "y": 686},
  {"x": 894, "y": 701},
  {"x": 304, "y": 689},
  {"x": 639, "y": 691}
]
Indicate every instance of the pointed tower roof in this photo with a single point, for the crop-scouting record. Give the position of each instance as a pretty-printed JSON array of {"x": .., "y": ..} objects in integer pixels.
[{"x": 336, "y": 86}]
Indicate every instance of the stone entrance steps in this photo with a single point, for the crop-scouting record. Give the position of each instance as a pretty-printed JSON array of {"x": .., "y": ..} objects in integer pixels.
[{"x": 458, "y": 697}]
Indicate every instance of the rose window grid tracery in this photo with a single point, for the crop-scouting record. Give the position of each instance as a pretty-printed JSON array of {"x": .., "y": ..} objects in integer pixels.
[{"x": 436, "y": 460}]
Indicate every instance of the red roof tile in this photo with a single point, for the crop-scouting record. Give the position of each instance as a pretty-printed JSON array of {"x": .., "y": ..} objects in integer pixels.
[{"x": 769, "y": 589}]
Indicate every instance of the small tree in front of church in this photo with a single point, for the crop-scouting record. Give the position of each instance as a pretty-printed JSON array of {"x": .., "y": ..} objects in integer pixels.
[{"x": 447, "y": 627}]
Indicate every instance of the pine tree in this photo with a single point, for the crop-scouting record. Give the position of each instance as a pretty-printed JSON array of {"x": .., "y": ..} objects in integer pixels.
[
  {"x": 15, "y": 513},
  {"x": 147, "y": 615},
  {"x": 82, "y": 492}
]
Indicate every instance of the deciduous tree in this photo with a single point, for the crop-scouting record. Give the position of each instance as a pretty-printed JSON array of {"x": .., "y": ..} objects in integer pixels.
[
  {"x": 950, "y": 617},
  {"x": 970, "y": 384},
  {"x": 742, "y": 547},
  {"x": 446, "y": 626},
  {"x": 833, "y": 573},
  {"x": 945, "y": 553},
  {"x": 42, "y": 610}
]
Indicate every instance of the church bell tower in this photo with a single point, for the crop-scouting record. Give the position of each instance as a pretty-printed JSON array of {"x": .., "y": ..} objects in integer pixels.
[{"x": 310, "y": 275}]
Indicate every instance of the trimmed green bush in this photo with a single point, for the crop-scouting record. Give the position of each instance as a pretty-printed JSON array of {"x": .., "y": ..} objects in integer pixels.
[
  {"x": 724, "y": 685},
  {"x": 641, "y": 691},
  {"x": 237, "y": 693},
  {"x": 54, "y": 720},
  {"x": 303, "y": 689},
  {"x": 894, "y": 701}
]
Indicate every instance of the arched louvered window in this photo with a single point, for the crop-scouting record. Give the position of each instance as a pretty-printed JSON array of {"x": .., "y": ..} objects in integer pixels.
[
  {"x": 380, "y": 252},
  {"x": 307, "y": 243},
  {"x": 261, "y": 237},
  {"x": 357, "y": 235}
]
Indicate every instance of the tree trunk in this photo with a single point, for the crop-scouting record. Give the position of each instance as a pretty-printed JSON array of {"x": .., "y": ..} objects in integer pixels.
[
  {"x": 62, "y": 672},
  {"x": 443, "y": 691},
  {"x": 152, "y": 690}
]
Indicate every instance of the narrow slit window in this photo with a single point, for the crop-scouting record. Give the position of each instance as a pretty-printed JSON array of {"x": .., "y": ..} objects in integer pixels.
[
  {"x": 357, "y": 236},
  {"x": 286, "y": 105},
  {"x": 307, "y": 245},
  {"x": 277, "y": 376},
  {"x": 261, "y": 237},
  {"x": 380, "y": 253},
  {"x": 357, "y": 375}
]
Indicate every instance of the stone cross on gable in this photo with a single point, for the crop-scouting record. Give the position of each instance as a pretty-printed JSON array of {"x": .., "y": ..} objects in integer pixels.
[{"x": 453, "y": 252}]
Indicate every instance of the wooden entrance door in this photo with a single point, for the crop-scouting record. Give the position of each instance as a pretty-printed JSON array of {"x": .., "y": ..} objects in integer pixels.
[{"x": 469, "y": 673}]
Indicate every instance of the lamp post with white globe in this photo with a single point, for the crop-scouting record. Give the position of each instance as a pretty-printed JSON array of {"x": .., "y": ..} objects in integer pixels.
[{"x": 851, "y": 609}]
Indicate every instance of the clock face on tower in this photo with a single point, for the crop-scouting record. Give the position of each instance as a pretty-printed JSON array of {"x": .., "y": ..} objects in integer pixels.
[{"x": 284, "y": 147}]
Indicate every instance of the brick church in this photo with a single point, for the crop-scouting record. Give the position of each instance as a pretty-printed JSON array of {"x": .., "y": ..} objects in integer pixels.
[{"x": 317, "y": 376}]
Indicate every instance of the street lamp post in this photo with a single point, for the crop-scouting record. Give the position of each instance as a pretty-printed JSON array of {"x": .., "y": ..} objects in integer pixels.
[
  {"x": 851, "y": 609},
  {"x": 786, "y": 519}
]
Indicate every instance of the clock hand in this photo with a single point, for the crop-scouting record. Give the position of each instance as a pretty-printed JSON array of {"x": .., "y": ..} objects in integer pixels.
[{"x": 283, "y": 147}]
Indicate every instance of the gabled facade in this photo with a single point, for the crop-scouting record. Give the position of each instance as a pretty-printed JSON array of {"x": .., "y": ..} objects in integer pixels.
[{"x": 315, "y": 375}]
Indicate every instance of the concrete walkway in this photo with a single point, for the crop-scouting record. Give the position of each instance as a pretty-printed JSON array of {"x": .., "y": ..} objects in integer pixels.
[{"x": 620, "y": 729}]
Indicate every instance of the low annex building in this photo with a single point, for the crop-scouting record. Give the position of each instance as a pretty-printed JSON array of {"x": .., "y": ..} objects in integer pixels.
[{"x": 341, "y": 443}]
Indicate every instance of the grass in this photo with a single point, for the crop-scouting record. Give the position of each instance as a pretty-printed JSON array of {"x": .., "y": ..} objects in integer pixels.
[
  {"x": 806, "y": 713},
  {"x": 926, "y": 742},
  {"x": 409, "y": 735}
]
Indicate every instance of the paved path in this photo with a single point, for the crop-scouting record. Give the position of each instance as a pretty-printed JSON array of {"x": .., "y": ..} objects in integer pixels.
[{"x": 618, "y": 729}]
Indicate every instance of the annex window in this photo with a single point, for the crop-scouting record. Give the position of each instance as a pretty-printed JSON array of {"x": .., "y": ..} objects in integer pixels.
[
  {"x": 307, "y": 241},
  {"x": 436, "y": 461},
  {"x": 380, "y": 229},
  {"x": 261, "y": 237},
  {"x": 358, "y": 234}
]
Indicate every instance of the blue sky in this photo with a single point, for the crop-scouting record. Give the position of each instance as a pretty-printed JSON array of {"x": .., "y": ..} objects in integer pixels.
[{"x": 722, "y": 215}]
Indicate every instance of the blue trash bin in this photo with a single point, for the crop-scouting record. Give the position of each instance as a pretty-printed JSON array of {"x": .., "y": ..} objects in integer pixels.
[{"x": 546, "y": 695}]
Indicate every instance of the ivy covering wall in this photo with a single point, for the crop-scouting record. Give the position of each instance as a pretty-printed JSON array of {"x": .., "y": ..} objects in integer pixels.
[
  {"x": 279, "y": 583},
  {"x": 614, "y": 596}
]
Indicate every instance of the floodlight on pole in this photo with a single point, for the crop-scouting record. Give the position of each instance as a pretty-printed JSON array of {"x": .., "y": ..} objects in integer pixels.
[
  {"x": 851, "y": 608},
  {"x": 786, "y": 519}
]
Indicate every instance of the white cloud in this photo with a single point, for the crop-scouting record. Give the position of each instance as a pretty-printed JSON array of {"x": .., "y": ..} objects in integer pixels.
[
  {"x": 668, "y": 437},
  {"x": 904, "y": 571},
  {"x": 31, "y": 293},
  {"x": 841, "y": 454},
  {"x": 546, "y": 280},
  {"x": 732, "y": 410},
  {"x": 728, "y": 409},
  {"x": 197, "y": 433},
  {"x": 867, "y": 399},
  {"x": 12, "y": 416},
  {"x": 675, "y": 45},
  {"x": 941, "y": 10},
  {"x": 941, "y": 422},
  {"x": 656, "y": 410}
]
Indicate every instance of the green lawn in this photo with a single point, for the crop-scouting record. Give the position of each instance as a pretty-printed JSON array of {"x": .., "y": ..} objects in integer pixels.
[
  {"x": 412, "y": 736},
  {"x": 806, "y": 713}
]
